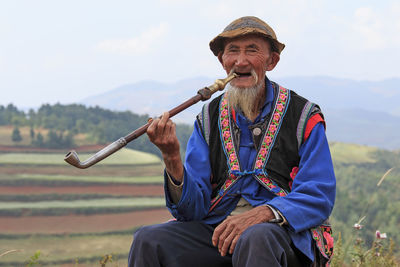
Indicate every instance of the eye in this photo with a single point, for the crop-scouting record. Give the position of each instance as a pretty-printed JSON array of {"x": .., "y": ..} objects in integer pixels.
[
  {"x": 251, "y": 51},
  {"x": 233, "y": 50}
]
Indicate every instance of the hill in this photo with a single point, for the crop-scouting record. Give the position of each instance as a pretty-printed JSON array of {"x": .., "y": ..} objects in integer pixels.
[
  {"x": 123, "y": 157},
  {"x": 69, "y": 126},
  {"x": 67, "y": 203},
  {"x": 344, "y": 94},
  {"x": 74, "y": 217},
  {"x": 358, "y": 170},
  {"x": 364, "y": 127},
  {"x": 48, "y": 206},
  {"x": 152, "y": 97}
]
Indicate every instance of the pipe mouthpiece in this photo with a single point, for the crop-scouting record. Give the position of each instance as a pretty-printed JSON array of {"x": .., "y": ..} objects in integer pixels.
[{"x": 220, "y": 84}]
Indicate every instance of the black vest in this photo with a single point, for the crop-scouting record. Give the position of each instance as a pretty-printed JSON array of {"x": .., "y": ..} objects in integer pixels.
[{"x": 284, "y": 154}]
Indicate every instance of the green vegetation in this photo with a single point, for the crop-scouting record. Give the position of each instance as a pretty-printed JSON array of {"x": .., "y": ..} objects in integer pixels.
[
  {"x": 95, "y": 203},
  {"x": 50, "y": 197},
  {"x": 34, "y": 259},
  {"x": 62, "y": 126},
  {"x": 54, "y": 139},
  {"x": 127, "y": 167},
  {"x": 380, "y": 253},
  {"x": 88, "y": 206},
  {"x": 16, "y": 135},
  {"x": 358, "y": 170},
  {"x": 67, "y": 249},
  {"x": 123, "y": 157},
  {"x": 351, "y": 153},
  {"x": 59, "y": 180}
]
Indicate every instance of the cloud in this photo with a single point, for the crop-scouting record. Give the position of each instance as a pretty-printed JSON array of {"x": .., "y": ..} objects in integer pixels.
[
  {"x": 377, "y": 28},
  {"x": 136, "y": 46},
  {"x": 173, "y": 2},
  {"x": 368, "y": 26},
  {"x": 2, "y": 63}
]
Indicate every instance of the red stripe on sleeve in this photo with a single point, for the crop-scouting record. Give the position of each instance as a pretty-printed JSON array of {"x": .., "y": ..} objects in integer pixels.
[{"x": 316, "y": 118}]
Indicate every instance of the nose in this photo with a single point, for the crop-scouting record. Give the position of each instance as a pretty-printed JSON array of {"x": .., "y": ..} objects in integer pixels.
[{"x": 241, "y": 60}]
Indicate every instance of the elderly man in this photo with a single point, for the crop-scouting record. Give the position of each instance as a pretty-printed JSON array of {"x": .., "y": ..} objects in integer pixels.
[{"x": 258, "y": 184}]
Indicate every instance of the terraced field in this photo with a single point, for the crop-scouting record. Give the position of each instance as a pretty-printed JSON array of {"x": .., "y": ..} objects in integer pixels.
[
  {"x": 123, "y": 157},
  {"x": 75, "y": 217}
]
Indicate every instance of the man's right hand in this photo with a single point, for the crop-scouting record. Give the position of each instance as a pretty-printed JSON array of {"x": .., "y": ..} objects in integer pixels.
[{"x": 162, "y": 133}]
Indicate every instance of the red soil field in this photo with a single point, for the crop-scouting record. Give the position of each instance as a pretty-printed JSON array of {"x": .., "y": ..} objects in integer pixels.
[
  {"x": 132, "y": 190},
  {"x": 81, "y": 223},
  {"x": 113, "y": 171}
]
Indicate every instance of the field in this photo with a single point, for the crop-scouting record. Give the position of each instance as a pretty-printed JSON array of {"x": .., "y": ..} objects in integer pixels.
[
  {"x": 75, "y": 217},
  {"x": 123, "y": 157},
  {"x": 352, "y": 153},
  {"x": 6, "y": 132}
]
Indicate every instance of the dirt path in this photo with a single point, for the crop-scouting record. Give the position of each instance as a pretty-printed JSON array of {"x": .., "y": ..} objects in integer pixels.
[{"x": 81, "y": 223}]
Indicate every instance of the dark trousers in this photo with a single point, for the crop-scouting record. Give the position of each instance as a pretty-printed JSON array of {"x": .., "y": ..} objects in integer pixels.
[{"x": 188, "y": 244}]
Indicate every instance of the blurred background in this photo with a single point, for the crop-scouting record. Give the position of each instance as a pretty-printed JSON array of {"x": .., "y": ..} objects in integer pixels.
[{"x": 80, "y": 74}]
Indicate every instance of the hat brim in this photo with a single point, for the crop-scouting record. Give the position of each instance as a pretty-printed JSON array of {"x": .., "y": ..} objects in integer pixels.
[{"x": 217, "y": 44}]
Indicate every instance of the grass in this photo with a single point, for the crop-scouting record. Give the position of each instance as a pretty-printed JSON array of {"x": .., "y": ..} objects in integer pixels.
[
  {"x": 120, "y": 168},
  {"x": 123, "y": 157},
  {"x": 6, "y": 132},
  {"x": 351, "y": 153},
  {"x": 66, "y": 249},
  {"x": 46, "y": 179},
  {"x": 124, "y": 167},
  {"x": 50, "y": 197},
  {"x": 82, "y": 206},
  {"x": 88, "y": 203}
]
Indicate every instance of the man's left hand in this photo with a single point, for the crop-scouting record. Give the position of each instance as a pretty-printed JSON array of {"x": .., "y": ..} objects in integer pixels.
[{"x": 228, "y": 232}]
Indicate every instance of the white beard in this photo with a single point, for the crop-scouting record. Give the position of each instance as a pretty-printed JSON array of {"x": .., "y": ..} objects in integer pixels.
[{"x": 244, "y": 98}]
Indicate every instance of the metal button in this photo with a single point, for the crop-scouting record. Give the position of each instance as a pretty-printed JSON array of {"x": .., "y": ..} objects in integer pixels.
[{"x": 257, "y": 131}]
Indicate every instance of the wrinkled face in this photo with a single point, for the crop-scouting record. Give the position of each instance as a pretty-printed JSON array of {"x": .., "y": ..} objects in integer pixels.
[{"x": 249, "y": 56}]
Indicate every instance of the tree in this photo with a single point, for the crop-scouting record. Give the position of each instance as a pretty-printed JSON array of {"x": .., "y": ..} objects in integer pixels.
[
  {"x": 58, "y": 140},
  {"x": 53, "y": 140},
  {"x": 16, "y": 135},
  {"x": 38, "y": 141},
  {"x": 32, "y": 134}
]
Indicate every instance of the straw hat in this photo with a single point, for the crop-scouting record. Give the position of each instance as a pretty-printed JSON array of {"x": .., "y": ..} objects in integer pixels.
[{"x": 244, "y": 26}]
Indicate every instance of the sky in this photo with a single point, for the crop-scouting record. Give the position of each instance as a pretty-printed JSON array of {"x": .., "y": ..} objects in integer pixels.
[{"x": 63, "y": 51}]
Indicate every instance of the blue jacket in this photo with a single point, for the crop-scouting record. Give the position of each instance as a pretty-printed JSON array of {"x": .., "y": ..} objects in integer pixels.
[{"x": 308, "y": 204}]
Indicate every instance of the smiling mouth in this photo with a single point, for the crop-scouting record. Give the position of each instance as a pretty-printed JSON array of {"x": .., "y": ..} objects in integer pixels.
[{"x": 243, "y": 74}]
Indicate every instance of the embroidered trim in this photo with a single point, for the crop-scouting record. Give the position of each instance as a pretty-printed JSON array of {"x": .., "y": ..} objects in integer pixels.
[
  {"x": 321, "y": 234},
  {"x": 273, "y": 128},
  {"x": 225, "y": 127}
]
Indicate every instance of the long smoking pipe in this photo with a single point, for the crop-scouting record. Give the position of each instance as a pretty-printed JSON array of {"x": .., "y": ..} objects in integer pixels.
[{"x": 203, "y": 94}]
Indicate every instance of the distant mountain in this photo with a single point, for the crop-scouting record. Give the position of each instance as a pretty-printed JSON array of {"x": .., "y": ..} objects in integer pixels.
[
  {"x": 364, "y": 127},
  {"x": 152, "y": 98},
  {"x": 347, "y": 94},
  {"x": 361, "y": 112}
]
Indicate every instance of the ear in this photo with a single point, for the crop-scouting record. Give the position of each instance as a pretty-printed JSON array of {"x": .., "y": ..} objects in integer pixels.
[
  {"x": 220, "y": 58},
  {"x": 273, "y": 60}
]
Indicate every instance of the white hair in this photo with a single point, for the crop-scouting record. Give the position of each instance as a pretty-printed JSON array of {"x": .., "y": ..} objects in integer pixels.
[{"x": 244, "y": 99}]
